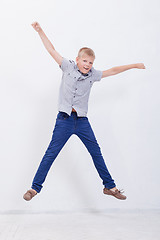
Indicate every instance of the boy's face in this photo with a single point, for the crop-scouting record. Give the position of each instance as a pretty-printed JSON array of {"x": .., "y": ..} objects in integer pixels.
[{"x": 84, "y": 63}]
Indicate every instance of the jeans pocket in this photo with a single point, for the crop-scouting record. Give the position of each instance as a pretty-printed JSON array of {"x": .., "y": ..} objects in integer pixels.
[{"x": 62, "y": 116}]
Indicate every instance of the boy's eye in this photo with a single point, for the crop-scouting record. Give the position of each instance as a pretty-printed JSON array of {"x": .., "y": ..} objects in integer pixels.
[{"x": 84, "y": 61}]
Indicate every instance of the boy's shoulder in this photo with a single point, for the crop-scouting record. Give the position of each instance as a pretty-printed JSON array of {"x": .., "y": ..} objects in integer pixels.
[
  {"x": 68, "y": 60},
  {"x": 67, "y": 64},
  {"x": 71, "y": 61}
]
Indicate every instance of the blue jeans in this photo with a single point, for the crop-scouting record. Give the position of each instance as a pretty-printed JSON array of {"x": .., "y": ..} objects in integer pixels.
[{"x": 65, "y": 126}]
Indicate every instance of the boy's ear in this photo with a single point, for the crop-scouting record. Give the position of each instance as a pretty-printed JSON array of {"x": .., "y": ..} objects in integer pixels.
[{"x": 77, "y": 58}]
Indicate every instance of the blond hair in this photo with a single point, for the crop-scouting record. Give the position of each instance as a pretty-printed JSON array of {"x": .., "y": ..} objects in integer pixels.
[{"x": 87, "y": 51}]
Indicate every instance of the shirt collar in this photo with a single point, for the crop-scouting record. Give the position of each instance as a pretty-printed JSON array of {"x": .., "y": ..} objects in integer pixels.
[{"x": 83, "y": 74}]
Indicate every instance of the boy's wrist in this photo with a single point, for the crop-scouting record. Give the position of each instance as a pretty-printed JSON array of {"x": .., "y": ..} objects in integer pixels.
[
  {"x": 40, "y": 31},
  {"x": 134, "y": 65}
]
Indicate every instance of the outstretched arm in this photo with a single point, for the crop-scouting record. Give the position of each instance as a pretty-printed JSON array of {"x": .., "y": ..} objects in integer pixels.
[
  {"x": 48, "y": 45},
  {"x": 119, "y": 69}
]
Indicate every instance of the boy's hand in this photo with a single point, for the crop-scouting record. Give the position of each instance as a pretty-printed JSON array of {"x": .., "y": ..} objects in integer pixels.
[
  {"x": 119, "y": 69},
  {"x": 36, "y": 26},
  {"x": 48, "y": 45},
  {"x": 140, "y": 66}
]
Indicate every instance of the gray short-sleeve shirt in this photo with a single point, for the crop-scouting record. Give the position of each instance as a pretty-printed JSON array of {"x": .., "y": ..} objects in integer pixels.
[{"x": 75, "y": 88}]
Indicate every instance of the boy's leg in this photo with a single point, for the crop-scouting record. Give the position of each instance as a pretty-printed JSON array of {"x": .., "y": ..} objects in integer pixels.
[
  {"x": 61, "y": 133},
  {"x": 86, "y": 134}
]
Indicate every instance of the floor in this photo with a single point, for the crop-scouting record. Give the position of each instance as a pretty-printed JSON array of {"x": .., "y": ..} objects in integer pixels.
[{"x": 110, "y": 225}]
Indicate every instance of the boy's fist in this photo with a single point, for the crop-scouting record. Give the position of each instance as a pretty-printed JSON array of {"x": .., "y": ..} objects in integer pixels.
[
  {"x": 140, "y": 65},
  {"x": 36, "y": 26}
]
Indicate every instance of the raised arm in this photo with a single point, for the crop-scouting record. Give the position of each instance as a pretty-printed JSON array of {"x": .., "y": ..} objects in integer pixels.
[
  {"x": 119, "y": 69},
  {"x": 48, "y": 45}
]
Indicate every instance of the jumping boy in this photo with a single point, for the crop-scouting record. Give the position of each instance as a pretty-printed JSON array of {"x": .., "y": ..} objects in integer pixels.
[{"x": 75, "y": 87}]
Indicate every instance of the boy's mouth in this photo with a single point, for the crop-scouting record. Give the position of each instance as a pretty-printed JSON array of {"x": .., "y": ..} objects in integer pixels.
[{"x": 86, "y": 68}]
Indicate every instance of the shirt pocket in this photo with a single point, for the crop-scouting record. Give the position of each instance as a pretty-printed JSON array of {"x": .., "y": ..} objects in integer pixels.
[{"x": 70, "y": 79}]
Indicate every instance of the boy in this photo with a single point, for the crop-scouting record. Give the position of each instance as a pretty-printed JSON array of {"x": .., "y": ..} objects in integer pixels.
[{"x": 76, "y": 84}]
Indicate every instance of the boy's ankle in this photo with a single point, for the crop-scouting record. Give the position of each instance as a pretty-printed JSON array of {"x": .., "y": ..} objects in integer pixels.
[
  {"x": 113, "y": 189},
  {"x": 34, "y": 190}
]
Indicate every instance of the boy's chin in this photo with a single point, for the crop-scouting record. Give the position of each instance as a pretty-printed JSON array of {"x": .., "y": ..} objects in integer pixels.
[{"x": 84, "y": 71}]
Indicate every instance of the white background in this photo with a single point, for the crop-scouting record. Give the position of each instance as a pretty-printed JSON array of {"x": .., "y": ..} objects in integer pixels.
[{"x": 123, "y": 109}]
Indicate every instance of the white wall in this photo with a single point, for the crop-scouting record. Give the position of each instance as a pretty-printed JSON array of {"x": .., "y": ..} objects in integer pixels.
[{"x": 123, "y": 109}]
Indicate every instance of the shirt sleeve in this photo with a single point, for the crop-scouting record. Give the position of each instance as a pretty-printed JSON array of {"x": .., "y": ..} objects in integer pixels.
[
  {"x": 97, "y": 75},
  {"x": 65, "y": 64}
]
